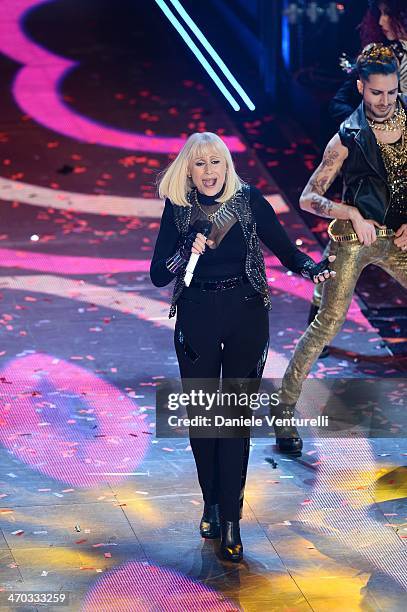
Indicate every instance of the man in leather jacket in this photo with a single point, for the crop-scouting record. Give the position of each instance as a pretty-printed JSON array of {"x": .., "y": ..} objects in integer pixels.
[
  {"x": 383, "y": 22},
  {"x": 370, "y": 224}
]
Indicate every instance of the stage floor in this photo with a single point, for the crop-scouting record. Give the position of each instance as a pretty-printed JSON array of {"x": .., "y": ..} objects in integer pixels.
[{"x": 92, "y": 503}]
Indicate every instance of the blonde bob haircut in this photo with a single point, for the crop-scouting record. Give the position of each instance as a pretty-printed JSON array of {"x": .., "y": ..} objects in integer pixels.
[{"x": 174, "y": 182}]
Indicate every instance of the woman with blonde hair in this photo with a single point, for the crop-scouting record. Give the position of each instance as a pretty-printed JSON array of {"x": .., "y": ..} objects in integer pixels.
[{"x": 222, "y": 316}]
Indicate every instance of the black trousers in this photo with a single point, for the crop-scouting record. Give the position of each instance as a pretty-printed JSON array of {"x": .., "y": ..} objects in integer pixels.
[{"x": 222, "y": 333}]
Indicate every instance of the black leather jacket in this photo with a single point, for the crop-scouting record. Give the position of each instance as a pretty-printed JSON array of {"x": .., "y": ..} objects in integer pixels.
[
  {"x": 365, "y": 182},
  {"x": 345, "y": 101}
]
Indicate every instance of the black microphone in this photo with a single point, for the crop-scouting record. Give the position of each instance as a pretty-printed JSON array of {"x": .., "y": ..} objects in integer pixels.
[{"x": 201, "y": 227}]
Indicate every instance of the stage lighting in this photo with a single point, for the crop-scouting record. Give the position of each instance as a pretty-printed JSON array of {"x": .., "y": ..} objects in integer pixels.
[
  {"x": 293, "y": 13},
  {"x": 198, "y": 54},
  {"x": 297, "y": 12},
  {"x": 314, "y": 12},
  {"x": 213, "y": 54},
  {"x": 335, "y": 11}
]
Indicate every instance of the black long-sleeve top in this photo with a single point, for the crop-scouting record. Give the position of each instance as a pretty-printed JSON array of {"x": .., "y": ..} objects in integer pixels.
[{"x": 228, "y": 259}]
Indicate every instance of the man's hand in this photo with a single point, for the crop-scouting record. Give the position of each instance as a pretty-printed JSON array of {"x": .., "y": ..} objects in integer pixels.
[
  {"x": 401, "y": 237},
  {"x": 364, "y": 228}
]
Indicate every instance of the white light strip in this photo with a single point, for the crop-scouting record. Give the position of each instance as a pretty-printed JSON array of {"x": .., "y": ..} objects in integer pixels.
[
  {"x": 186, "y": 37},
  {"x": 215, "y": 56}
]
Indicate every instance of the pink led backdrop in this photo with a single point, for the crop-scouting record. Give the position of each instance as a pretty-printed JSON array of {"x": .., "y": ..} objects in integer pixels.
[
  {"x": 37, "y": 84},
  {"x": 141, "y": 587},
  {"x": 68, "y": 423}
]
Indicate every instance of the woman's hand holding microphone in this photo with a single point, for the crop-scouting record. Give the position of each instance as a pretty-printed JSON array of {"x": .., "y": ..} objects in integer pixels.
[
  {"x": 199, "y": 244},
  {"x": 194, "y": 242}
]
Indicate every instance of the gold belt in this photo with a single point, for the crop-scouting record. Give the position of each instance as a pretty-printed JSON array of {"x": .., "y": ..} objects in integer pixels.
[{"x": 353, "y": 237}]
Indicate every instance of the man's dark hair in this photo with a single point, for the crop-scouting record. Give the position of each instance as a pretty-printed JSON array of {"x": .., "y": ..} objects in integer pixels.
[{"x": 376, "y": 58}]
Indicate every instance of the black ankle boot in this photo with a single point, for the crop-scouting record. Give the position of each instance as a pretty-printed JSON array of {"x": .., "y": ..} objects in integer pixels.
[
  {"x": 288, "y": 439},
  {"x": 209, "y": 526},
  {"x": 290, "y": 446},
  {"x": 231, "y": 544},
  {"x": 311, "y": 316}
]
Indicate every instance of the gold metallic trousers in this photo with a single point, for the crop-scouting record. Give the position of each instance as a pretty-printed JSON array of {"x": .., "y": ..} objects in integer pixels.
[
  {"x": 317, "y": 295},
  {"x": 351, "y": 258}
]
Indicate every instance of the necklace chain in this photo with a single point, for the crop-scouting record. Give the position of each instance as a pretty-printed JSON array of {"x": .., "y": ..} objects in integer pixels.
[
  {"x": 219, "y": 217},
  {"x": 394, "y": 149},
  {"x": 396, "y": 122}
]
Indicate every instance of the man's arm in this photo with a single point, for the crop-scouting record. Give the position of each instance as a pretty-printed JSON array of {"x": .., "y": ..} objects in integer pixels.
[{"x": 313, "y": 200}]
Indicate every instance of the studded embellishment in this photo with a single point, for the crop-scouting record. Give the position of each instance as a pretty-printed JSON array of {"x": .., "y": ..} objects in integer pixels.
[
  {"x": 220, "y": 216},
  {"x": 175, "y": 263},
  {"x": 238, "y": 205},
  {"x": 262, "y": 361},
  {"x": 188, "y": 350}
]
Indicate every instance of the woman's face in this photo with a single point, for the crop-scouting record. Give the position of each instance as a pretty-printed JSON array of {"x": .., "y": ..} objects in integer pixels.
[
  {"x": 208, "y": 172},
  {"x": 386, "y": 24}
]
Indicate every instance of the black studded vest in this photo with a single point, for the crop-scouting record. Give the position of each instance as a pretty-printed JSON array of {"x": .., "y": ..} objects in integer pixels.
[
  {"x": 255, "y": 269},
  {"x": 365, "y": 180}
]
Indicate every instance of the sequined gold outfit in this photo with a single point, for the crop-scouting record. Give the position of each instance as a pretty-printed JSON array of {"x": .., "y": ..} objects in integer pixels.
[
  {"x": 395, "y": 161},
  {"x": 351, "y": 258}
]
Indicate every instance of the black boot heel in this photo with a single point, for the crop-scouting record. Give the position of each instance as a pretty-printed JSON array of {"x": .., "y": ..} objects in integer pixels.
[
  {"x": 290, "y": 446},
  {"x": 209, "y": 526},
  {"x": 231, "y": 544},
  {"x": 288, "y": 439}
]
